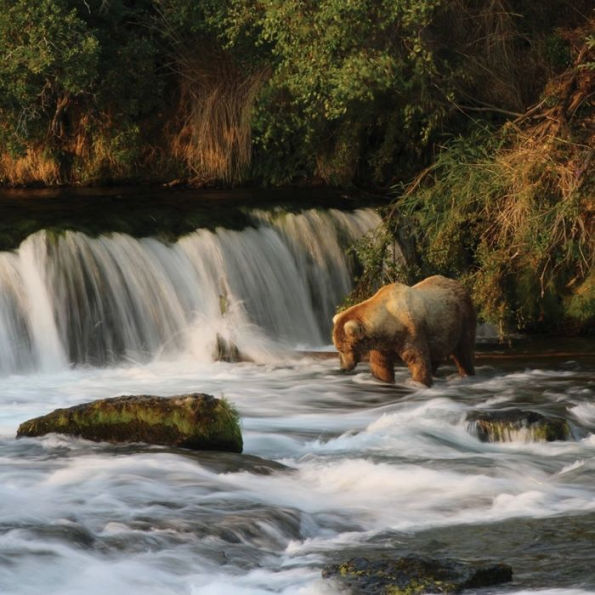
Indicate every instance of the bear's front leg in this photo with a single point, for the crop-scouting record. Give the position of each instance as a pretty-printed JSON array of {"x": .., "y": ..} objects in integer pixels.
[
  {"x": 417, "y": 358},
  {"x": 382, "y": 365}
]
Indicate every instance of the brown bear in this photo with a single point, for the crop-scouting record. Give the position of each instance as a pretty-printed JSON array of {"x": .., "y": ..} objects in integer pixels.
[{"x": 421, "y": 325}]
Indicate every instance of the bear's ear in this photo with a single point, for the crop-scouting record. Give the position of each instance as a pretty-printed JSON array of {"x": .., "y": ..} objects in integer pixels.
[
  {"x": 354, "y": 329},
  {"x": 335, "y": 318}
]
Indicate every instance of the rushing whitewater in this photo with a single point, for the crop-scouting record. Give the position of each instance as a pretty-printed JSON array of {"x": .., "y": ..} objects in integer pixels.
[
  {"x": 334, "y": 465},
  {"x": 69, "y": 298}
]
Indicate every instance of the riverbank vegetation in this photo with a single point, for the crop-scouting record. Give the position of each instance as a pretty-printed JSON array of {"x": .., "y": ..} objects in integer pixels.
[
  {"x": 486, "y": 106},
  {"x": 510, "y": 210},
  {"x": 264, "y": 91}
]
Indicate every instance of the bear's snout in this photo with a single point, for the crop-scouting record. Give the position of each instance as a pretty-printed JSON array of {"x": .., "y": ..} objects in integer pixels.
[{"x": 347, "y": 361}]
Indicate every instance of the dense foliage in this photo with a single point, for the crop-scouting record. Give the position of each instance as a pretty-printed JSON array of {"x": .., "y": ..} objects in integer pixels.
[
  {"x": 340, "y": 92},
  {"x": 510, "y": 211},
  {"x": 78, "y": 84}
]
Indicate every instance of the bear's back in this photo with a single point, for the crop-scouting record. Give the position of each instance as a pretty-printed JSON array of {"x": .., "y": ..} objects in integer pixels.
[
  {"x": 447, "y": 307},
  {"x": 438, "y": 289}
]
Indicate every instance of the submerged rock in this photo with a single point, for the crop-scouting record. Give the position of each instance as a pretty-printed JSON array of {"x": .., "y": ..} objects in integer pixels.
[
  {"x": 226, "y": 351},
  {"x": 516, "y": 424},
  {"x": 230, "y": 462},
  {"x": 196, "y": 421},
  {"x": 415, "y": 574}
]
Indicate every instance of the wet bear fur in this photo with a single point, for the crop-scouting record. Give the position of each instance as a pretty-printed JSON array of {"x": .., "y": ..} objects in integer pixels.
[{"x": 420, "y": 325}]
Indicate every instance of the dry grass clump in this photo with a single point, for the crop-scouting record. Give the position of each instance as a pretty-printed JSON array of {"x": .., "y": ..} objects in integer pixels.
[
  {"x": 550, "y": 178},
  {"x": 34, "y": 167},
  {"x": 213, "y": 119},
  {"x": 90, "y": 148}
]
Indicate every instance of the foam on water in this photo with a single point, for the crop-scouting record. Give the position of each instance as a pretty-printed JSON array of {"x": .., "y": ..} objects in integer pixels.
[{"x": 359, "y": 463}]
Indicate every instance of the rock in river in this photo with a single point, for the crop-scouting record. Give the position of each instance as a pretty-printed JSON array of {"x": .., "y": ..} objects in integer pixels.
[
  {"x": 515, "y": 424},
  {"x": 415, "y": 574},
  {"x": 196, "y": 421}
]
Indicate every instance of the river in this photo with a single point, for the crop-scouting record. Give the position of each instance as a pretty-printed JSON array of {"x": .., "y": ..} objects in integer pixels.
[{"x": 334, "y": 464}]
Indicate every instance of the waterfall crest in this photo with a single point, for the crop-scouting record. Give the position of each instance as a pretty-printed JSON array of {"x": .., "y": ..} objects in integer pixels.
[{"x": 71, "y": 299}]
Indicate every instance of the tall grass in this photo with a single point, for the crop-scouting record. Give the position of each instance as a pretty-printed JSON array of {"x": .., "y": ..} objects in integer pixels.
[
  {"x": 213, "y": 133},
  {"x": 500, "y": 53},
  {"x": 34, "y": 167}
]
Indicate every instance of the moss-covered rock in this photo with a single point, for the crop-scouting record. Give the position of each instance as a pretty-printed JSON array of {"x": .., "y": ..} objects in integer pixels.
[
  {"x": 515, "y": 424},
  {"x": 196, "y": 421},
  {"x": 415, "y": 575}
]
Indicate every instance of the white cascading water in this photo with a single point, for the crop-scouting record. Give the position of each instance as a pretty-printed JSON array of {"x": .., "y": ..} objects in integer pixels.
[{"x": 72, "y": 298}]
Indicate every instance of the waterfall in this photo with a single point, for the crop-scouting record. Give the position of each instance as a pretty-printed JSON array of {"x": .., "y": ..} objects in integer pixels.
[{"x": 69, "y": 298}]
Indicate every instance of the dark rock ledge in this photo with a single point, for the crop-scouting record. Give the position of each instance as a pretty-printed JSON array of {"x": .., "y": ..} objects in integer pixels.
[{"x": 413, "y": 574}]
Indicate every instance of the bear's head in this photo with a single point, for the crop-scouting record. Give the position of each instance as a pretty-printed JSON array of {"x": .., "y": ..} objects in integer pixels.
[{"x": 349, "y": 338}]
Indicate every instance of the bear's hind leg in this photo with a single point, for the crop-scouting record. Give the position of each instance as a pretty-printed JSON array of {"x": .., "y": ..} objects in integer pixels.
[
  {"x": 463, "y": 358},
  {"x": 464, "y": 353},
  {"x": 382, "y": 365}
]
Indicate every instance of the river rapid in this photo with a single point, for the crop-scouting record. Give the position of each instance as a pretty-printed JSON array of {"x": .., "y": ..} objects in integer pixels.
[{"x": 334, "y": 465}]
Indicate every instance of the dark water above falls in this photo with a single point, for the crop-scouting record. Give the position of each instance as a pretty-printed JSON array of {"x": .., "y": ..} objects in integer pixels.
[{"x": 334, "y": 465}]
